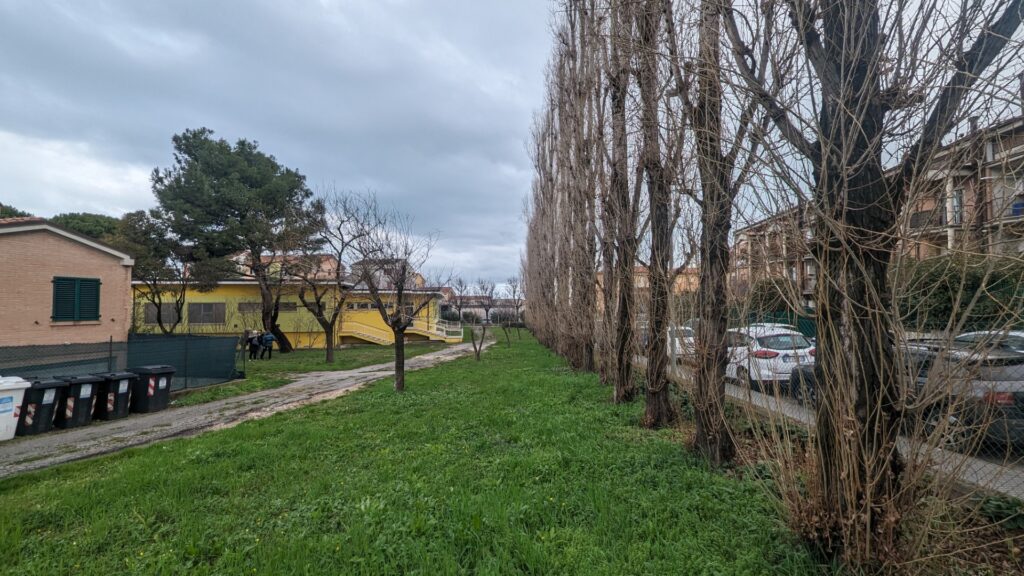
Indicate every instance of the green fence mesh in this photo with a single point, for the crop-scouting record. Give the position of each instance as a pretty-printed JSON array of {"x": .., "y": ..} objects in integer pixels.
[{"x": 198, "y": 360}]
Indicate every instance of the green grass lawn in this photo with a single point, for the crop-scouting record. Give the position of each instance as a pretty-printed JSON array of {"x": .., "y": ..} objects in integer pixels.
[
  {"x": 511, "y": 465},
  {"x": 266, "y": 374}
]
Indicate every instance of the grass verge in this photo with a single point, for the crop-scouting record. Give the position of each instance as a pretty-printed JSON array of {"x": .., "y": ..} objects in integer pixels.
[
  {"x": 273, "y": 373},
  {"x": 510, "y": 465}
]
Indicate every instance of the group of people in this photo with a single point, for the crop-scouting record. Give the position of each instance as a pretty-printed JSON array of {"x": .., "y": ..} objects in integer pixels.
[{"x": 262, "y": 344}]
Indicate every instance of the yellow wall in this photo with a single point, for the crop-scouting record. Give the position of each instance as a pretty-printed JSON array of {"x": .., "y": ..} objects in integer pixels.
[{"x": 358, "y": 323}]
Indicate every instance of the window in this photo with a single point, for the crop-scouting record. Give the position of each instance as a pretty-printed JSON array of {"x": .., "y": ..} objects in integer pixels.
[
  {"x": 168, "y": 313},
  {"x": 76, "y": 299},
  {"x": 250, "y": 307},
  {"x": 784, "y": 342},
  {"x": 206, "y": 313},
  {"x": 287, "y": 307},
  {"x": 957, "y": 201},
  {"x": 736, "y": 340}
]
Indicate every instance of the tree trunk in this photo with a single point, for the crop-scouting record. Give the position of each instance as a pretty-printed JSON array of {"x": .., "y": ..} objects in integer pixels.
[
  {"x": 712, "y": 437},
  {"x": 606, "y": 352},
  {"x": 269, "y": 310},
  {"x": 625, "y": 228},
  {"x": 329, "y": 343},
  {"x": 854, "y": 300},
  {"x": 399, "y": 360},
  {"x": 659, "y": 411}
]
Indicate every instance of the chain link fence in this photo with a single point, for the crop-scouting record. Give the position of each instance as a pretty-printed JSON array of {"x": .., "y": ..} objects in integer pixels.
[{"x": 198, "y": 360}]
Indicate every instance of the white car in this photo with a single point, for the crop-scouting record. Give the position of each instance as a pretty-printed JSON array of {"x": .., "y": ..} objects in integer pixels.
[
  {"x": 681, "y": 343},
  {"x": 765, "y": 354}
]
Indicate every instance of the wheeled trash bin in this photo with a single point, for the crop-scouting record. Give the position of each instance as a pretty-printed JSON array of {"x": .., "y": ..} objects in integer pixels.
[
  {"x": 151, "y": 391},
  {"x": 113, "y": 394},
  {"x": 12, "y": 392},
  {"x": 38, "y": 407},
  {"x": 76, "y": 408}
]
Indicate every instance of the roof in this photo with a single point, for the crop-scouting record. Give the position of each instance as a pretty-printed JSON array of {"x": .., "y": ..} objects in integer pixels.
[
  {"x": 34, "y": 224},
  {"x": 19, "y": 220}
]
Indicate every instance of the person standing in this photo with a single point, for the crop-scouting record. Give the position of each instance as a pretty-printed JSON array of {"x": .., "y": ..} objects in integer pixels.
[
  {"x": 254, "y": 344},
  {"x": 268, "y": 345}
]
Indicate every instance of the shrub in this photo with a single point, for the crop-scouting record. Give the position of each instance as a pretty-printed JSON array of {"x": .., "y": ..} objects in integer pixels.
[{"x": 983, "y": 293}]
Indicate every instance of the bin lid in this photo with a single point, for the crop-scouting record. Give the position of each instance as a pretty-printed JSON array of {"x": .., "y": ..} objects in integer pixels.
[
  {"x": 115, "y": 375},
  {"x": 39, "y": 383},
  {"x": 12, "y": 383},
  {"x": 153, "y": 369},
  {"x": 82, "y": 379}
]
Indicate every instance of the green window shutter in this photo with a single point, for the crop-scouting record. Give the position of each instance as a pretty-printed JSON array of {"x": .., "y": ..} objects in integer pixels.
[
  {"x": 88, "y": 299},
  {"x": 65, "y": 299},
  {"x": 75, "y": 299}
]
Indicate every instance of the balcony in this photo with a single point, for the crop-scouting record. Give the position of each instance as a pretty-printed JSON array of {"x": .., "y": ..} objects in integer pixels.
[
  {"x": 810, "y": 283},
  {"x": 928, "y": 218},
  {"x": 1008, "y": 209}
]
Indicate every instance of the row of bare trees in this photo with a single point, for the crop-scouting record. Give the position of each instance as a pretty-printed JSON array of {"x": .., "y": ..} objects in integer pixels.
[{"x": 664, "y": 117}]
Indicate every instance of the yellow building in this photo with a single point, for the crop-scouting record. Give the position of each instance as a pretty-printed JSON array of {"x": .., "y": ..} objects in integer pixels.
[{"x": 233, "y": 307}]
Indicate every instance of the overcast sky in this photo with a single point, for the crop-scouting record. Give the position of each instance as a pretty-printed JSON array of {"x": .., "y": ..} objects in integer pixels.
[{"x": 426, "y": 102}]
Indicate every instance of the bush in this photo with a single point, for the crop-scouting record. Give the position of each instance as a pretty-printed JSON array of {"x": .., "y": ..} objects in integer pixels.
[
  {"x": 450, "y": 316},
  {"x": 772, "y": 294},
  {"x": 504, "y": 317},
  {"x": 940, "y": 292},
  {"x": 471, "y": 317}
]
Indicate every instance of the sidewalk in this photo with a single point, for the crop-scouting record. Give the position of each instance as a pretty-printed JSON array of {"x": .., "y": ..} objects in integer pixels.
[
  {"x": 35, "y": 452},
  {"x": 1006, "y": 478}
]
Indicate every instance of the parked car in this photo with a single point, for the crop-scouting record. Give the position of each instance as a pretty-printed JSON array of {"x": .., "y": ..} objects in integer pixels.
[
  {"x": 764, "y": 354},
  {"x": 979, "y": 386},
  {"x": 681, "y": 343},
  {"x": 1008, "y": 340},
  {"x": 966, "y": 389},
  {"x": 773, "y": 325}
]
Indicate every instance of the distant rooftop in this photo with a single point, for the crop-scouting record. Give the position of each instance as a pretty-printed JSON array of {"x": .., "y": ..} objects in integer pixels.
[{"x": 21, "y": 220}]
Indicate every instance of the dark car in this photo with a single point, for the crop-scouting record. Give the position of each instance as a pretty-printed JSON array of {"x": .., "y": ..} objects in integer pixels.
[{"x": 962, "y": 389}]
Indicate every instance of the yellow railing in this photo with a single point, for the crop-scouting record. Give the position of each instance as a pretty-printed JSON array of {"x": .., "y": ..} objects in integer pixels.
[{"x": 361, "y": 330}]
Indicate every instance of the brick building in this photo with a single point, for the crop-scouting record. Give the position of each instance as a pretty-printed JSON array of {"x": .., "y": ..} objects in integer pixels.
[
  {"x": 970, "y": 199},
  {"x": 775, "y": 247},
  {"x": 972, "y": 196},
  {"x": 59, "y": 287}
]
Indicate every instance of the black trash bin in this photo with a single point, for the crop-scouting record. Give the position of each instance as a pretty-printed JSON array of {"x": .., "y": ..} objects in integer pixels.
[
  {"x": 76, "y": 408},
  {"x": 39, "y": 404},
  {"x": 112, "y": 396},
  {"x": 151, "y": 391}
]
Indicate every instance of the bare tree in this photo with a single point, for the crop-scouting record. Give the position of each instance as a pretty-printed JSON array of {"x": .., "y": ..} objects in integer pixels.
[
  {"x": 322, "y": 268},
  {"x": 391, "y": 257},
  {"x": 659, "y": 410},
  {"x": 871, "y": 89},
  {"x": 485, "y": 297},
  {"x": 723, "y": 168},
  {"x": 462, "y": 292},
  {"x": 515, "y": 297}
]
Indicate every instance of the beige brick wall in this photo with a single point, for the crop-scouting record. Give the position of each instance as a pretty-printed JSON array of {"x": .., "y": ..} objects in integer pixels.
[{"x": 28, "y": 263}]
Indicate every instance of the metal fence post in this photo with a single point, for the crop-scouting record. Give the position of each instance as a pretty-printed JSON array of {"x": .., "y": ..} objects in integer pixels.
[
  {"x": 110, "y": 354},
  {"x": 187, "y": 371}
]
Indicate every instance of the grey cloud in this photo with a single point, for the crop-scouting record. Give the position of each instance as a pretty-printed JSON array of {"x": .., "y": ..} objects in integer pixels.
[{"x": 428, "y": 102}]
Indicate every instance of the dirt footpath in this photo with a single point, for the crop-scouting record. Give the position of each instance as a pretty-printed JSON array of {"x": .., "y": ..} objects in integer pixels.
[{"x": 34, "y": 452}]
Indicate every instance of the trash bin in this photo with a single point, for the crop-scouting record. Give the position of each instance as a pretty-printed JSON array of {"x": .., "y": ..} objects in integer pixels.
[
  {"x": 39, "y": 405},
  {"x": 151, "y": 391},
  {"x": 76, "y": 408},
  {"x": 112, "y": 395},
  {"x": 12, "y": 392}
]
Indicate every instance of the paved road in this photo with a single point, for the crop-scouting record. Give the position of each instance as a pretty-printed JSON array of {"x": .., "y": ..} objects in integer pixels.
[
  {"x": 1003, "y": 477},
  {"x": 34, "y": 452}
]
